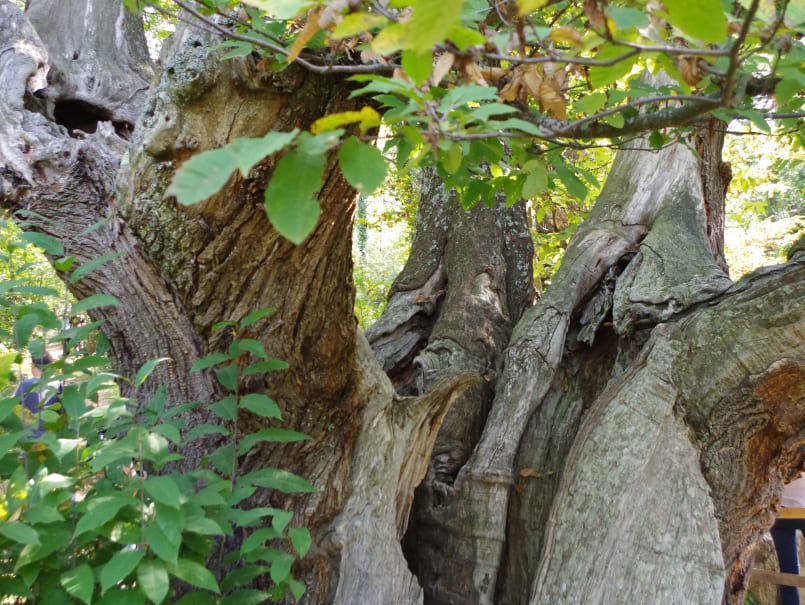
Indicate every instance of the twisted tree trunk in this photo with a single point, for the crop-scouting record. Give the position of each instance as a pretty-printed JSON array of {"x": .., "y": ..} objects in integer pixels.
[{"x": 627, "y": 436}]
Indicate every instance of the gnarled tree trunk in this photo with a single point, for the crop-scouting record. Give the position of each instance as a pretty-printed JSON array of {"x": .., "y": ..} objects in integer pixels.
[{"x": 623, "y": 439}]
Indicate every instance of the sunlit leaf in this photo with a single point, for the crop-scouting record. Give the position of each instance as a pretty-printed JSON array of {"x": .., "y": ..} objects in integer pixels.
[
  {"x": 79, "y": 582},
  {"x": 195, "y": 574},
  {"x": 362, "y": 164},
  {"x": 702, "y": 20},
  {"x": 152, "y": 577},
  {"x": 119, "y": 567}
]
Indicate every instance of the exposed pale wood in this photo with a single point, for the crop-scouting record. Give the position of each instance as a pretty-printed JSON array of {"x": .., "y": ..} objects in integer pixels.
[{"x": 776, "y": 577}]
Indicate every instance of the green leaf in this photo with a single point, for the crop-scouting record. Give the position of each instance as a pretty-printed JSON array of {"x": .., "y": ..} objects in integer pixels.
[
  {"x": 274, "y": 435},
  {"x": 517, "y": 124},
  {"x": 300, "y": 538},
  {"x": 626, "y": 17},
  {"x": 19, "y": 532},
  {"x": 90, "y": 266},
  {"x": 223, "y": 458},
  {"x": 145, "y": 371},
  {"x": 615, "y": 119},
  {"x": 269, "y": 365},
  {"x": 195, "y": 574},
  {"x": 255, "y": 316},
  {"x": 431, "y": 22},
  {"x": 63, "y": 264},
  {"x": 202, "y": 176},
  {"x": 537, "y": 180},
  {"x": 591, "y": 103},
  {"x": 209, "y": 361},
  {"x": 571, "y": 182},
  {"x": 356, "y": 23},
  {"x": 602, "y": 76},
  {"x": 94, "y": 302},
  {"x": 100, "y": 510},
  {"x": 48, "y": 243},
  {"x": 79, "y": 583},
  {"x": 282, "y": 9},
  {"x": 702, "y": 20},
  {"x": 228, "y": 376},
  {"x": 418, "y": 64},
  {"x": 281, "y": 568},
  {"x": 362, "y": 164},
  {"x": 247, "y": 597},
  {"x": 279, "y": 479},
  {"x": 656, "y": 140},
  {"x": 202, "y": 430},
  {"x": 249, "y": 151},
  {"x": 225, "y": 409},
  {"x": 203, "y": 526},
  {"x": 756, "y": 118},
  {"x": 153, "y": 580},
  {"x": 165, "y": 546},
  {"x": 119, "y": 567},
  {"x": 297, "y": 588},
  {"x": 248, "y": 345},
  {"x": 262, "y": 405},
  {"x": 289, "y": 197},
  {"x": 163, "y": 489}
]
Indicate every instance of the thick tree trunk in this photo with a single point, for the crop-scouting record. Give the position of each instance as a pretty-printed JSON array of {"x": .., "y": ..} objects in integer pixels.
[{"x": 603, "y": 455}]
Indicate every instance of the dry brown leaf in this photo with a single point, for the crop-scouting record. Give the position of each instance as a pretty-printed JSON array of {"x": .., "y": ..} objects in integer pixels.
[
  {"x": 472, "y": 71},
  {"x": 310, "y": 29},
  {"x": 689, "y": 69},
  {"x": 532, "y": 81},
  {"x": 552, "y": 100},
  {"x": 494, "y": 74},
  {"x": 593, "y": 9},
  {"x": 529, "y": 472},
  {"x": 512, "y": 88},
  {"x": 442, "y": 66}
]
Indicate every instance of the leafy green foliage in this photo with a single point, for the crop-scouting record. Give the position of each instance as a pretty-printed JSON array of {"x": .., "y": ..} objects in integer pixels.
[{"x": 90, "y": 509}]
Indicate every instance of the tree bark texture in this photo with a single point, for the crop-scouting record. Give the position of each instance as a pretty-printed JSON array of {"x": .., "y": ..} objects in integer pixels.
[{"x": 624, "y": 439}]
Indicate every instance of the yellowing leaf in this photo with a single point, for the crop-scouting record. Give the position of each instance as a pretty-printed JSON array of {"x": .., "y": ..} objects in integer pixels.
[
  {"x": 310, "y": 29},
  {"x": 532, "y": 80},
  {"x": 367, "y": 117},
  {"x": 356, "y": 23},
  {"x": 391, "y": 39},
  {"x": 525, "y": 7},
  {"x": 566, "y": 35}
]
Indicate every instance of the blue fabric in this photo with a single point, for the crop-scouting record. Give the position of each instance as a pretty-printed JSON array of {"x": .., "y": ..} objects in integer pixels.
[
  {"x": 784, "y": 534},
  {"x": 32, "y": 398}
]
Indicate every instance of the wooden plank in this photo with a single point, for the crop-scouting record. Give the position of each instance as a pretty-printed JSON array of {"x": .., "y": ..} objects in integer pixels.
[
  {"x": 787, "y": 512},
  {"x": 775, "y": 577}
]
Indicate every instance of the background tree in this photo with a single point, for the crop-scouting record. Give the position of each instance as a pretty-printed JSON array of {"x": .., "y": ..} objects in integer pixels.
[{"x": 597, "y": 415}]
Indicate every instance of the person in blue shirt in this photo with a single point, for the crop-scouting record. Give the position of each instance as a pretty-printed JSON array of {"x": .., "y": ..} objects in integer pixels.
[
  {"x": 36, "y": 396},
  {"x": 784, "y": 534}
]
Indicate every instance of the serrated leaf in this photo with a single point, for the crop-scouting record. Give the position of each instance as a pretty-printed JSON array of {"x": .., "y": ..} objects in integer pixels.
[
  {"x": 145, "y": 370},
  {"x": 281, "y": 568},
  {"x": 223, "y": 458},
  {"x": 262, "y": 405},
  {"x": 153, "y": 579},
  {"x": 524, "y": 7},
  {"x": 656, "y": 140},
  {"x": 202, "y": 176},
  {"x": 282, "y": 9},
  {"x": 615, "y": 119},
  {"x": 205, "y": 429},
  {"x": 196, "y": 574},
  {"x": 228, "y": 376},
  {"x": 289, "y": 197},
  {"x": 300, "y": 538},
  {"x": 626, "y": 17},
  {"x": 536, "y": 181},
  {"x": 226, "y": 409},
  {"x": 702, "y": 20},
  {"x": 94, "y": 302},
  {"x": 119, "y": 567},
  {"x": 79, "y": 583},
  {"x": 571, "y": 182},
  {"x": 248, "y": 345},
  {"x": 431, "y": 23},
  {"x": 517, "y": 124},
  {"x": 362, "y": 164},
  {"x": 591, "y": 103}
]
